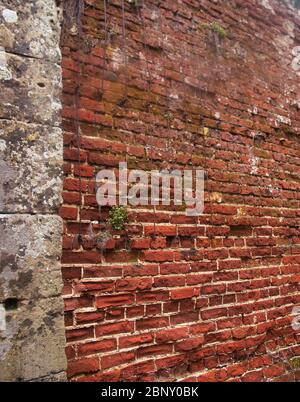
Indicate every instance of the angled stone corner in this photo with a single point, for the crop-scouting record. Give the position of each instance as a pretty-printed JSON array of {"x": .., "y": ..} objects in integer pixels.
[{"x": 32, "y": 335}]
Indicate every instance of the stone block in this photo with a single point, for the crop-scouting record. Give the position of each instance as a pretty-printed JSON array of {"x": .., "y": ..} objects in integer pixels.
[
  {"x": 30, "y": 89},
  {"x": 31, "y": 167},
  {"x": 31, "y": 28},
  {"x": 30, "y": 257},
  {"x": 32, "y": 345}
]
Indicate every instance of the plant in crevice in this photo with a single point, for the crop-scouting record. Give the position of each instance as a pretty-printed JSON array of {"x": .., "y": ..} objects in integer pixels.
[
  {"x": 118, "y": 217},
  {"x": 216, "y": 28},
  {"x": 215, "y": 34}
]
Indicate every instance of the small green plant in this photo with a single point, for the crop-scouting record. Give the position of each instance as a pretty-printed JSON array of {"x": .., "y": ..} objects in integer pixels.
[
  {"x": 118, "y": 216},
  {"x": 216, "y": 28}
]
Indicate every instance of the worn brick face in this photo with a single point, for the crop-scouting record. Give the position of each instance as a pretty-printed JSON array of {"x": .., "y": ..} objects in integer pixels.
[{"x": 205, "y": 298}]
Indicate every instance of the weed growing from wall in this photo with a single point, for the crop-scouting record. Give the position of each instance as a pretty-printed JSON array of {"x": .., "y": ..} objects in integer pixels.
[
  {"x": 215, "y": 28},
  {"x": 118, "y": 216}
]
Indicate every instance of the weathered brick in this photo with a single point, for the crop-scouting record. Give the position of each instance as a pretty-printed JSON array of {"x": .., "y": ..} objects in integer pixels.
[
  {"x": 115, "y": 300},
  {"x": 114, "y": 328},
  {"x": 97, "y": 347},
  {"x": 117, "y": 359},
  {"x": 184, "y": 293},
  {"x": 151, "y": 323},
  {"x": 171, "y": 335},
  {"x": 189, "y": 344},
  {"x": 130, "y": 341}
]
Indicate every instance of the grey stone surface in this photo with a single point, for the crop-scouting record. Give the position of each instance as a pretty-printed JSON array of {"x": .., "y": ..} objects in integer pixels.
[
  {"x": 32, "y": 346},
  {"x": 30, "y": 252},
  {"x": 31, "y": 167},
  {"x": 58, "y": 377},
  {"x": 30, "y": 88},
  {"x": 32, "y": 335},
  {"x": 31, "y": 28}
]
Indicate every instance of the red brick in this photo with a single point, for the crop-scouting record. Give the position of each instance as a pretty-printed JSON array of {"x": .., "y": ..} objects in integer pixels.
[
  {"x": 79, "y": 334},
  {"x": 169, "y": 269},
  {"x": 135, "y": 311},
  {"x": 273, "y": 371},
  {"x": 115, "y": 300},
  {"x": 214, "y": 313},
  {"x": 158, "y": 256},
  {"x": 202, "y": 328},
  {"x": 171, "y": 335},
  {"x": 167, "y": 362},
  {"x": 184, "y": 293},
  {"x": 161, "y": 230},
  {"x": 184, "y": 317},
  {"x": 83, "y": 366},
  {"x": 152, "y": 297},
  {"x": 141, "y": 244},
  {"x": 106, "y": 345},
  {"x": 136, "y": 369},
  {"x": 129, "y": 341},
  {"x": 151, "y": 323},
  {"x": 191, "y": 231},
  {"x": 69, "y": 213},
  {"x": 189, "y": 344},
  {"x": 114, "y": 328},
  {"x": 79, "y": 302},
  {"x": 133, "y": 284},
  {"x": 153, "y": 309},
  {"x": 154, "y": 350},
  {"x": 171, "y": 281},
  {"x": 109, "y": 376},
  {"x": 71, "y": 273},
  {"x": 117, "y": 359},
  {"x": 254, "y": 376},
  {"x": 88, "y": 317}
]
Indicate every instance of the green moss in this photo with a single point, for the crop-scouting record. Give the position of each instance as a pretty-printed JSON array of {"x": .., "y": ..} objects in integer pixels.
[
  {"x": 216, "y": 28},
  {"x": 118, "y": 216}
]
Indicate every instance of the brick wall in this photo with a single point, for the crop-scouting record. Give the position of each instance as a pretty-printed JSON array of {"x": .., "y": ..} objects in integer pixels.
[{"x": 175, "y": 297}]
